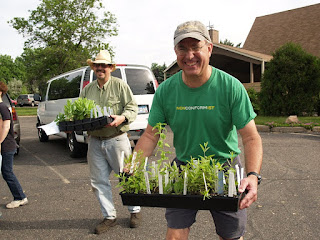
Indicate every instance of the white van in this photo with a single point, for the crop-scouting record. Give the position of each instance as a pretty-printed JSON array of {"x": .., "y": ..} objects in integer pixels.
[{"x": 69, "y": 85}]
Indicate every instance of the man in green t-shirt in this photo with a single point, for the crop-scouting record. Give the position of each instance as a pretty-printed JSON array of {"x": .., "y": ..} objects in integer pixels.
[{"x": 203, "y": 104}]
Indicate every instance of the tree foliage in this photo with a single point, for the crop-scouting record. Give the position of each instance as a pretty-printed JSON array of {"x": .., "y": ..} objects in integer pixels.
[
  {"x": 229, "y": 43},
  {"x": 67, "y": 24},
  {"x": 158, "y": 71},
  {"x": 291, "y": 82},
  {"x": 62, "y": 35},
  {"x": 10, "y": 69}
]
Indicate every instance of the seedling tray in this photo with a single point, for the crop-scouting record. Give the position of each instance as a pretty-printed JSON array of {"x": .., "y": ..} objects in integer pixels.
[
  {"x": 87, "y": 124},
  {"x": 218, "y": 203}
]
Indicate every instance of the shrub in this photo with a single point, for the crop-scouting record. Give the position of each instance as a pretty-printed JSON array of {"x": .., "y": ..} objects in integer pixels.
[
  {"x": 291, "y": 82},
  {"x": 255, "y": 99}
]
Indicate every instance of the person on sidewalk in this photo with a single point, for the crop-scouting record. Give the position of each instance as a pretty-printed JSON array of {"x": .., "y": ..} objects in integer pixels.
[
  {"x": 203, "y": 104},
  {"x": 105, "y": 145},
  {"x": 8, "y": 149}
]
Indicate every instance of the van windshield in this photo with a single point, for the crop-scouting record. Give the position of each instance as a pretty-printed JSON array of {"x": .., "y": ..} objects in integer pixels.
[{"x": 139, "y": 80}]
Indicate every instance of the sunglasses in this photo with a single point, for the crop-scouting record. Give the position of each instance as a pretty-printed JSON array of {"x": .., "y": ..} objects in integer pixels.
[{"x": 103, "y": 65}]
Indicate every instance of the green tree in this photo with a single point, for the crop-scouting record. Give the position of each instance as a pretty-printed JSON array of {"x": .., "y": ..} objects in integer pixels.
[
  {"x": 10, "y": 69},
  {"x": 229, "y": 43},
  {"x": 291, "y": 82},
  {"x": 62, "y": 34},
  {"x": 158, "y": 71},
  {"x": 16, "y": 87}
]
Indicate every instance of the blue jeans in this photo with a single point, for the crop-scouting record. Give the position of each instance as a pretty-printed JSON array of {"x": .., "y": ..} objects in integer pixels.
[
  {"x": 9, "y": 177},
  {"x": 103, "y": 157}
]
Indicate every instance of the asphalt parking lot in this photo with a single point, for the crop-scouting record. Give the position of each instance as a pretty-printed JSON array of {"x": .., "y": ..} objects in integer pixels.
[{"x": 62, "y": 205}]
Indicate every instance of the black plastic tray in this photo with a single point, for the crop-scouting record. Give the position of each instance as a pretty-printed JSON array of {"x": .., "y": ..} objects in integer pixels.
[
  {"x": 218, "y": 203},
  {"x": 87, "y": 124}
]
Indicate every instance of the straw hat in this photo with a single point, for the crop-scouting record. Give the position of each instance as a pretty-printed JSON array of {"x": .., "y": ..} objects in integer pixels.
[{"x": 102, "y": 57}]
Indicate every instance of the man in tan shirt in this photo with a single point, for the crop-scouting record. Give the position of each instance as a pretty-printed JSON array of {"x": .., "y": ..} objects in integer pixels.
[{"x": 105, "y": 145}]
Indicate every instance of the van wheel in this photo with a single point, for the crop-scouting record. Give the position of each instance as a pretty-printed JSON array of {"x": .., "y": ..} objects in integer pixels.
[
  {"x": 43, "y": 137},
  {"x": 76, "y": 149},
  {"x": 32, "y": 104}
]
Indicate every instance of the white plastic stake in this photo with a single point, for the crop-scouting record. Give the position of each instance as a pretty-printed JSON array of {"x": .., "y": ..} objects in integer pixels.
[
  {"x": 132, "y": 162},
  {"x": 121, "y": 162},
  {"x": 205, "y": 183},
  {"x": 232, "y": 186},
  {"x": 238, "y": 175},
  {"x": 95, "y": 112},
  {"x": 185, "y": 183},
  {"x": 99, "y": 111},
  {"x": 216, "y": 174},
  {"x": 242, "y": 171},
  {"x": 153, "y": 170},
  {"x": 91, "y": 113},
  {"x": 166, "y": 178},
  {"x": 145, "y": 164},
  {"x": 105, "y": 113},
  {"x": 110, "y": 111},
  {"x": 146, "y": 178},
  {"x": 160, "y": 183},
  {"x": 220, "y": 182}
]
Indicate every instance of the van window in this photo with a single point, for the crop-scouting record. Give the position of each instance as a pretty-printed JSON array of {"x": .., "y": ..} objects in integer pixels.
[
  {"x": 67, "y": 86},
  {"x": 140, "y": 81}
]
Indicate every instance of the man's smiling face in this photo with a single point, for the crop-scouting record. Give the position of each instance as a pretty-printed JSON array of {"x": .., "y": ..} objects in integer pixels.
[
  {"x": 102, "y": 70},
  {"x": 193, "y": 56}
]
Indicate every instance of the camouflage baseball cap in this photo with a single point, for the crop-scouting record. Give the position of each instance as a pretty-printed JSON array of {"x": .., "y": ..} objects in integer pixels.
[{"x": 191, "y": 29}]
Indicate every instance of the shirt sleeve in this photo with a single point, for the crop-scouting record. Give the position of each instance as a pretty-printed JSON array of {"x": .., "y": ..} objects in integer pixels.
[
  {"x": 242, "y": 110},
  {"x": 130, "y": 109}
]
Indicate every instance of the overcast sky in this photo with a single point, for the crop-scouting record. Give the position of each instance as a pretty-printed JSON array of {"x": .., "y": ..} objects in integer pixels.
[{"x": 146, "y": 27}]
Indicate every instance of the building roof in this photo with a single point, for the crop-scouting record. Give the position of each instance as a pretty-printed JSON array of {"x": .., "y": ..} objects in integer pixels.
[
  {"x": 301, "y": 26},
  {"x": 244, "y": 52},
  {"x": 238, "y": 53}
]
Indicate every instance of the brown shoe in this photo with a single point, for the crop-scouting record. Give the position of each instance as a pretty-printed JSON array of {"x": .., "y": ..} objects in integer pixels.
[
  {"x": 135, "y": 220},
  {"x": 105, "y": 225}
]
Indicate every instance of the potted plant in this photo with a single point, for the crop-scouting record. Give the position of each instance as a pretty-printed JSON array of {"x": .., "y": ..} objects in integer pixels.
[
  {"x": 82, "y": 115},
  {"x": 202, "y": 183}
]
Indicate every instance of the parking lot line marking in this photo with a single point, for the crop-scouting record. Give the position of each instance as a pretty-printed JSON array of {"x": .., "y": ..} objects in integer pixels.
[{"x": 65, "y": 180}]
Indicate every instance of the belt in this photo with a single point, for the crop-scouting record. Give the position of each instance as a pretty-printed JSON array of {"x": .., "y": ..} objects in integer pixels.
[{"x": 106, "y": 138}]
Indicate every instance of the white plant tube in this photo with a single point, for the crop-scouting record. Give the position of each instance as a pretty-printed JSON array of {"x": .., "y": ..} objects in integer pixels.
[
  {"x": 238, "y": 175},
  {"x": 121, "y": 162},
  {"x": 132, "y": 162},
  {"x": 195, "y": 163},
  {"x": 220, "y": 182},
  {"x": 153, "y": 170},
  {"x": 145, "y": 164},
  {"x": 166, "y": 178},
  {"x": 110, "y": 110},
  {"x": 242, "y": 172},
  {"x": 105, "y": 112},
  {"x": 91, "y": 113},
  {"x": 185, "y": 183},
  {"x": 160, "y": 183},
  {"x": 232, "y": 186},
  {"x": 205, "y": 183},
  {"x": 146, "y": 178},
  {"x": 99, "y": 111},
  {"x": 216, "y": 175},
  {"x": 95, "y": 112}
]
